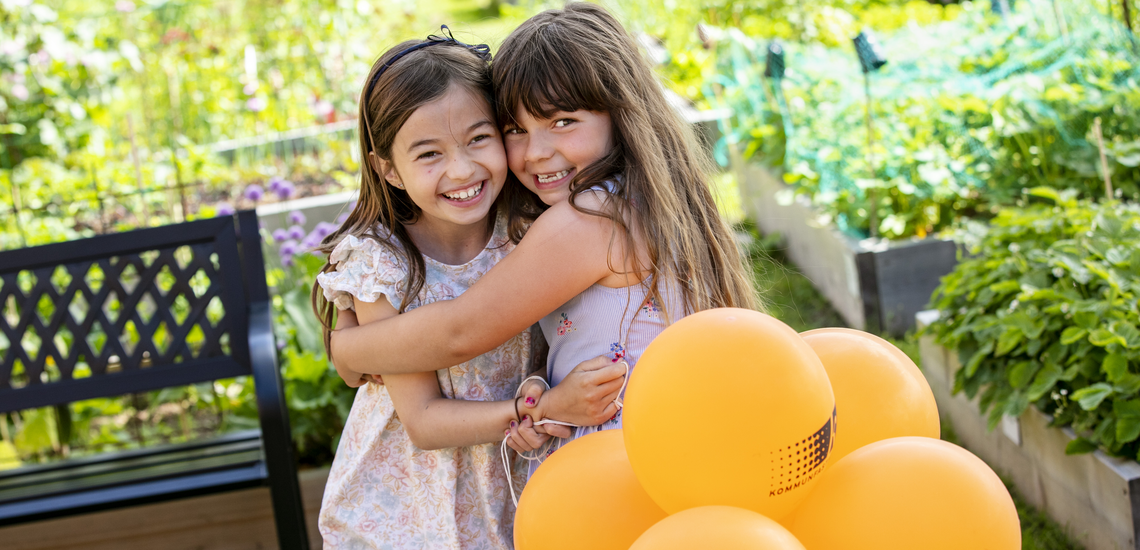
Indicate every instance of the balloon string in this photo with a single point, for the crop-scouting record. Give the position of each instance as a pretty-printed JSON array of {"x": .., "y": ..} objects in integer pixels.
[{"x": 504, "y": 450}]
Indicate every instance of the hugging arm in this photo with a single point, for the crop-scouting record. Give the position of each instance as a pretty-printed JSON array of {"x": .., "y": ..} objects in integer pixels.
[
  {"x": 563, "y": 253},
  {"x": 435, "y": 422}
]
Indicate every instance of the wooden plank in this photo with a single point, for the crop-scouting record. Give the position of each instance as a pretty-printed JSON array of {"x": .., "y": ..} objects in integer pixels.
[{"x": 238, "y": 520}]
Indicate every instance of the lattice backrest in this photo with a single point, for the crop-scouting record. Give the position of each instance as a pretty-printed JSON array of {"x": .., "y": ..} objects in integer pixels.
[{"x": 122, "y": 313}]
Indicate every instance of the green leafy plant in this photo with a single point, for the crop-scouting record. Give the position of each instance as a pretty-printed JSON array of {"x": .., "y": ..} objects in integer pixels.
[
  {"x": 1044, "y": 313},
  {"x": 966, "y": 115}
]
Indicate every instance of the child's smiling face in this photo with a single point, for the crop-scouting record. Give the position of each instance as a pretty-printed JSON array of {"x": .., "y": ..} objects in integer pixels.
[
  {"x": 449, "y": 158},
  {"x": 546, "y": 153}
]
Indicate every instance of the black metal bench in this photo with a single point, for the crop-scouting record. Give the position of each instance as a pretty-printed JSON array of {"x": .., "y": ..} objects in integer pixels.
[{"x": 161, "y": 281}]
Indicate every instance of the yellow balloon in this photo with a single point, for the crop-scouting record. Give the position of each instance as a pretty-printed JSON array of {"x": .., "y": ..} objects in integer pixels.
[
  {"x": 877, "y": 394},
  {"x": 584, "y": 496},
  {"x": 728, "y": 407},
  {"x": 907, "y": 493},
  {"x": 719, "y": 527}
]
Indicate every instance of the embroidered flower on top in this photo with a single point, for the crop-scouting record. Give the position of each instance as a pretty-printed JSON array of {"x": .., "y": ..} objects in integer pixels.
[
  {"x": 617, "y": 350},
  {"x": 565, "y": 326},
  {"x": 650, "y": 308}
]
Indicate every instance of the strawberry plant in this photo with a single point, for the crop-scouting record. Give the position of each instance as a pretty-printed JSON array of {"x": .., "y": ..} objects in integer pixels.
[{"x": 1044, "y": 313}]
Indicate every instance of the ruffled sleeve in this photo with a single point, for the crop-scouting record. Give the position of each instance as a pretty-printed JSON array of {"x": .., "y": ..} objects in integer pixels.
[{"x": 365, "y": 269}]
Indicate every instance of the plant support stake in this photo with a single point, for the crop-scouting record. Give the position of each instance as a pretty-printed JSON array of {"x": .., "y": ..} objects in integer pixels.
[
  {"x": 870, "y": 59},
  {"x": 1103, "y": 158}
]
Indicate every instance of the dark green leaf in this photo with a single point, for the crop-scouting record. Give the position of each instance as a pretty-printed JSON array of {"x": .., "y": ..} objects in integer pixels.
[
  {"x": 1029, "y": 326},
  {"x": 1071, "y": 373},
  {"x": 1127, "y": 428},
  {"x": 1105, "y": 432},
  {"x": 1008, "y": 341},
  {"x": 1128, "y": 384},
  {"x": 1055, "y": 353},
  {"x": 1044, "y": 381},
  {"x": 1127, "y": 420},
  {"x": 1080, "y": 446},
  {"x": 1021, "y": 373},
  {"x": 976, "y": 360},
  {"x": 1115, "y": 366},
  {"x": 1016, "y": 404}
]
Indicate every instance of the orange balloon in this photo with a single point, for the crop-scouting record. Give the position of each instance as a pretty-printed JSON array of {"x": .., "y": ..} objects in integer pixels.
[
  {"x": 877, "y": 395},
  {"x": 719, "y": 527},
  {"x": 906, "y": 493},
  {"x": 728, "y": 407},
  {"x": 898, "y": 353},
  {"x": 584, "y": 496}
]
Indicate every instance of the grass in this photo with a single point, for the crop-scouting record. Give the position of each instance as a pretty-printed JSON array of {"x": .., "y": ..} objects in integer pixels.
[{"x": 791, "y": 298}]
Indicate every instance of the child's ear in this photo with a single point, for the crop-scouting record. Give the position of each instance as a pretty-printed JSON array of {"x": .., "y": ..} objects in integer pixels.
[{"x": 386, "y": 169}]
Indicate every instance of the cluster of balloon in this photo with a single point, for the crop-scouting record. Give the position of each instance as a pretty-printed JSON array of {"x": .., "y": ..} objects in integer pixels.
[{"x": 740, "y": 433}]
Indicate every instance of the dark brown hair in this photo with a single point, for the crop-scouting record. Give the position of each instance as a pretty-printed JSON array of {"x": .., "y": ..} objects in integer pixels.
[
  {"x": 415, "y": 79},
  {"x": 580, "y": 58}
]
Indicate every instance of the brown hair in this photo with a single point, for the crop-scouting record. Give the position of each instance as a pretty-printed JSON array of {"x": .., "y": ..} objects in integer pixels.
[
  {"x": 407, "y": 81},
  {"x": 580, "y": 58}
]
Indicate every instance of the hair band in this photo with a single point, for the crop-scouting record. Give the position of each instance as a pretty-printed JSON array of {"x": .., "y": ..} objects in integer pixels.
[{"x": 483, "y": 51}]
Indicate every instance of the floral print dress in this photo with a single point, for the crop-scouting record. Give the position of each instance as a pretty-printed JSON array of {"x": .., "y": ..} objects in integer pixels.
[{"x": 382, "y": 491}]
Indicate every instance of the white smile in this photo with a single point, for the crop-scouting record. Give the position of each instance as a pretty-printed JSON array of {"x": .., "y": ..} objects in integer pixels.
[
  {"x": 547, "y": 178},
  {"x": 465, "y": 194}
]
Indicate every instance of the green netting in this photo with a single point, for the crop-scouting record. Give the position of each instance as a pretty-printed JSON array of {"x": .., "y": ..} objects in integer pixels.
[{"x": 967, "y": 114}]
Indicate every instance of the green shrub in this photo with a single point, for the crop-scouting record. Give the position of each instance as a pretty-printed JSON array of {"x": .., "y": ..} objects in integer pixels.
[{"x": 1045, "y": 313}]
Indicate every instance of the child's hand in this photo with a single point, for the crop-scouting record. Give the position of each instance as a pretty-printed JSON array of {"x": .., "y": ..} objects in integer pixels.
[
  {"x": 531, "y": 395},
  {"x": 586, "y": 396},
  {"x": 523, "y": 436},
  {"x": 346, "y": 318}
]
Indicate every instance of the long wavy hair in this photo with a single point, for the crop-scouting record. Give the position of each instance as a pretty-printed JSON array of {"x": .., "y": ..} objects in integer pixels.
[
  {"x": 581, "y": 58},
  {"x": 382, "y": 211}
]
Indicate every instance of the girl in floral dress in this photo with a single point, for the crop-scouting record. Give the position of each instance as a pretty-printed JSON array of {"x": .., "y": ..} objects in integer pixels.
[
  {"x": 631, "y": 240},
  {"x": 418, "y": 462}
]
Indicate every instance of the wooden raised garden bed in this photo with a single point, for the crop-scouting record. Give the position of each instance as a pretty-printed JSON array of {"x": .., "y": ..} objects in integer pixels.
[
  {"x": 875, "y": 285},
  {"x": 1097, "y": 497}
]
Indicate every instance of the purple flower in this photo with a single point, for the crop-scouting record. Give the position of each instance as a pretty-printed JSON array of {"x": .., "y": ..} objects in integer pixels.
[
  {"x": 279, "y": 235},
  {"x": 287, "y": 261},
  {"x": 285, "y": 190},
  {"x": 288, "y": 248},
  {"x": 296, "y": 232},
  {"x": 297, "y": 217},
  {"x": 342, "y": 218},
  {"x": 275, "y": 183},
  {"x": 311, "y": 241},
  {"x": 254, "y": 192},
  {"x": 224, "y": 209},
  {"x": 256, "y": 104},
  {"x": 324, "y": 229}
]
